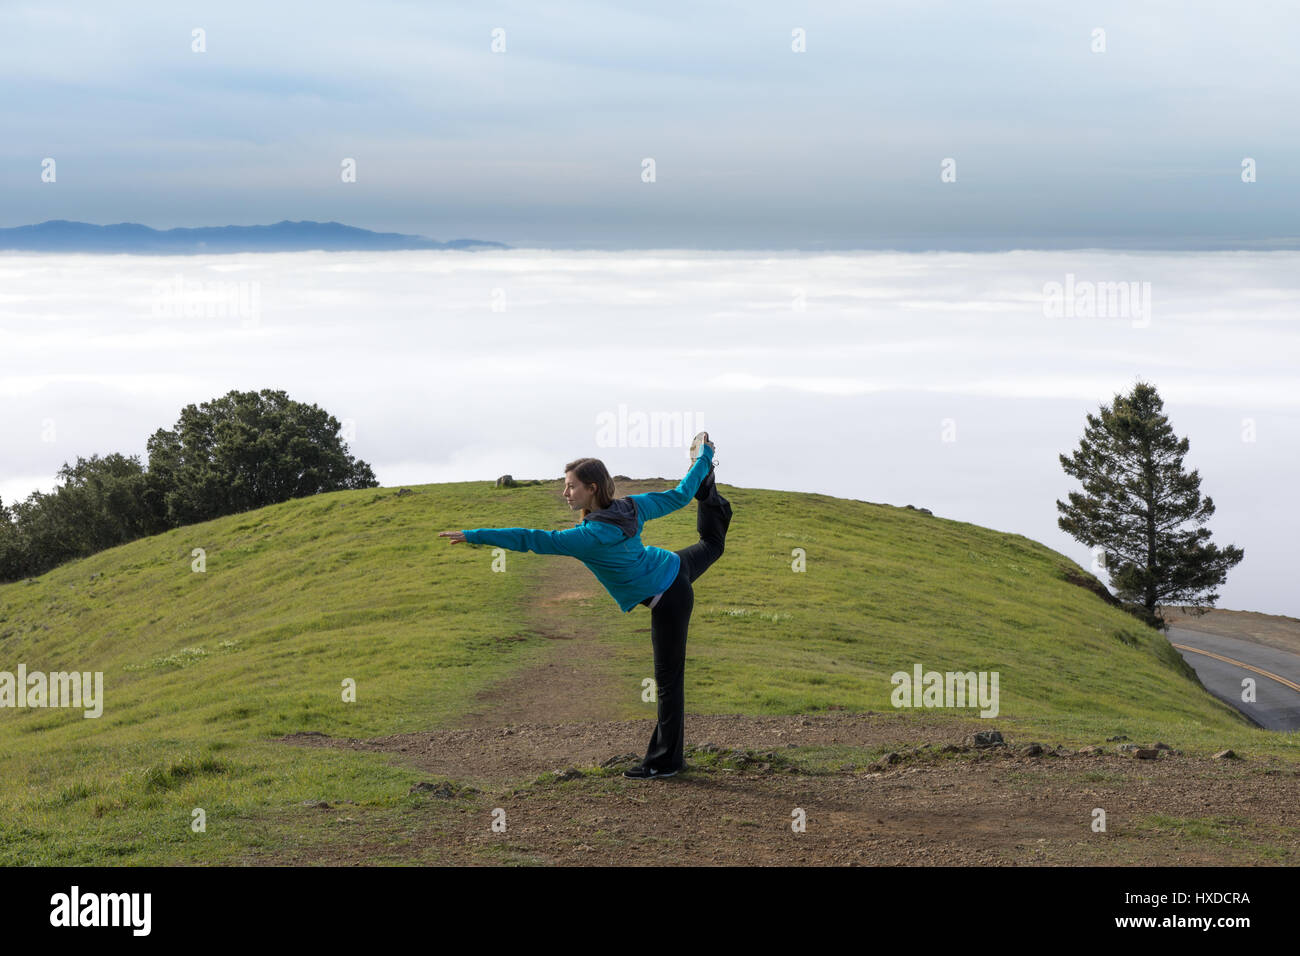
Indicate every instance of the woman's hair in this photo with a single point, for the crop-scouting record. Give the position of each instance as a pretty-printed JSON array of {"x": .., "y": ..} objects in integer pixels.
[{"x": 591, "y": 471}]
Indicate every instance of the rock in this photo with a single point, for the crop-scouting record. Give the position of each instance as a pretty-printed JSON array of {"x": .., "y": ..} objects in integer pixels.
[
  {"x": 402, "y": 492},
  {"x": 435, "y": 789},
  {"x": 891, "y": 758},
  {"x": 1159, "y": 746},
  {"x": 1226, "y": 755},
  {"x": 569, "y": 773},
  {"x": 1145, "y": 753},
  {"x": 925, "y": 511},
  {"x": 505, "y": 481},
  {"x": 316, "y": 804},
  {"x": 442, "y": 789},
  {"x": 1090, "y": 749},
  {"x": 1127, "y": 748},
  {"x": 1111, "y": 740},
  {"x": 1033, "y": 750},
  {"x": 621, "y": 759},
  {"x": 985, "y": 738}
]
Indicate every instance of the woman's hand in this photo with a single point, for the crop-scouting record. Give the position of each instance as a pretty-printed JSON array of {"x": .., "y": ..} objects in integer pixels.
[{"x": 457, "y": 537}]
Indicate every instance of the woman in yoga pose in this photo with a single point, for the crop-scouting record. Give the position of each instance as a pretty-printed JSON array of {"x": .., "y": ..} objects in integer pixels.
[{"x": 608, "y": 541}]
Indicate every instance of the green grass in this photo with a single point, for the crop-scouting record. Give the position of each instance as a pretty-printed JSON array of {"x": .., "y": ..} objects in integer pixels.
[
  {"x": 1228, "y": 832},
  {"x": 202, "y": 670}
]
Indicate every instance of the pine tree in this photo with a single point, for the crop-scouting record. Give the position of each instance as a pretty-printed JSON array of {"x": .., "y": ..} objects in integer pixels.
[{"x": 1136, "y": 500}]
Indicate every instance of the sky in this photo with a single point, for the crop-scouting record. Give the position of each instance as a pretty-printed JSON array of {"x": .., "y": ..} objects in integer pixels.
[
  {"x": 949, "y": 381},
  {"x": 755, "y": 145}
]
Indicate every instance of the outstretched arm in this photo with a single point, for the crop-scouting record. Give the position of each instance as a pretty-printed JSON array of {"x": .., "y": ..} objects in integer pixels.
[
  {"x": 656, "y": 504},
  {"x": 575, "y": 542}
]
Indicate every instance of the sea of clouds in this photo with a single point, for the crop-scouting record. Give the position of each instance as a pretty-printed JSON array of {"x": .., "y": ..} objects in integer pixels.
[{"x": 949, "y": 381}]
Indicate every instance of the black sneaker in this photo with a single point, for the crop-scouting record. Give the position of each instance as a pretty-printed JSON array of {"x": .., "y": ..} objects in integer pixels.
[{"x": 641, "y": 772}]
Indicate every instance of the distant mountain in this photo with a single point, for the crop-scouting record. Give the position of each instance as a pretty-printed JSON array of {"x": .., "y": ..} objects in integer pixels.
[{"x": 60, "y": 235}]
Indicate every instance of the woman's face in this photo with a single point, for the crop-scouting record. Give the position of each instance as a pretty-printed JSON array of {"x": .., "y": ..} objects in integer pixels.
[{"x": 576, "y": 495}]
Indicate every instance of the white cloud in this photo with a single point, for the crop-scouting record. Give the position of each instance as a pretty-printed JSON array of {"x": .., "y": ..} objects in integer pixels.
[{"x": 849, "y": 396}]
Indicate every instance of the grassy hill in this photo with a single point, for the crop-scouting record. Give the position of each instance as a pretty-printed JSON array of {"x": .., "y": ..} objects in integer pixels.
[{"x": 203, "y": 670}]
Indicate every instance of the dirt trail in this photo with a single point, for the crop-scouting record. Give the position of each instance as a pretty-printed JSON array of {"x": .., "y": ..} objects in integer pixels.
[
  {"x": 574, "y": 681},
  {"x": 734, "y": 805},
  {"x": 519, "y": 752}
]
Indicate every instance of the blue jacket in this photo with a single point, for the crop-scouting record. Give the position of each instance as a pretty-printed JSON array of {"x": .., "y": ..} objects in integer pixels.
[{"x": 608, "y": 541}]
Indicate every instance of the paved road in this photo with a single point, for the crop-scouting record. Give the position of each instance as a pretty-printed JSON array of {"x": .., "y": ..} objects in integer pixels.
[{"x": 1277, "y": 689}]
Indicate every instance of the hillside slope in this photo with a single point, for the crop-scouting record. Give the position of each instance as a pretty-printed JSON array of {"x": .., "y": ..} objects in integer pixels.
[{"x": 203, "y": 671}]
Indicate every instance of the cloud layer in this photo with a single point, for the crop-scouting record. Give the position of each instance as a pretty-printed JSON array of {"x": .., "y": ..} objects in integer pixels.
[{"x": 937, "y": 379}]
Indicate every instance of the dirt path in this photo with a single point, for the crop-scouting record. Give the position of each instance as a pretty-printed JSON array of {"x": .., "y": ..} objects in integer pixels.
[
  {"x": 937, "y": 801},
  {"x": 574, "y": 680}
]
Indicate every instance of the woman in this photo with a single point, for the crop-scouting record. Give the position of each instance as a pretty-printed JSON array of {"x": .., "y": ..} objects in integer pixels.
[{"x": 608, "y": 541}]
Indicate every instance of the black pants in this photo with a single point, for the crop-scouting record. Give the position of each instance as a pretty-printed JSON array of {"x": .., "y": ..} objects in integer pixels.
[{"x": 668, "y": 623}]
